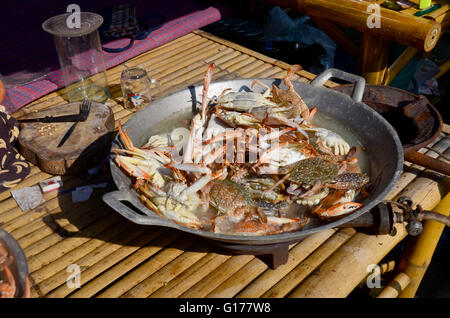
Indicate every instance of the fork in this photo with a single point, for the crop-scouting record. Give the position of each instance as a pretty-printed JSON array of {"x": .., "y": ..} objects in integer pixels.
[
  {"x": 81, "y": 116},
  {"x": 85, "y": 108}
]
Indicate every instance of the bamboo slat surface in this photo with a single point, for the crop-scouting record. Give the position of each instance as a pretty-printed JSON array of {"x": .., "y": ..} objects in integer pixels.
[{"x": 120, "y": 259}]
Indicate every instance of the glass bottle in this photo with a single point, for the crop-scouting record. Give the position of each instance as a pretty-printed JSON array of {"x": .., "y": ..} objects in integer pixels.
[
  {"x": 136, "y": 88},
  {"x": 80, "y": 55}
]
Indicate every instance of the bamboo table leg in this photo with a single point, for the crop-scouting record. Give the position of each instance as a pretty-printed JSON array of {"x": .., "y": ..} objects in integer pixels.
[{"x": 373, "y": 58}]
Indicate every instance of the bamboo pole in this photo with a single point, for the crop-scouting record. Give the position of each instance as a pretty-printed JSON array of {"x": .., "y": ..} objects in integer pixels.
[
  {"x": 36, "y": 242},
  {"x": 164, "y": 275},
  {"x": 72, "y": 256},
  {"x": 419, "y": 251},
  {"x": 52, "y": 253},
  {"x": 129, "y": 258},
  {"x": 308, "y": 265},
  {"x": 409, "y": 30},
  {"x": 395, "y": 287},
  {"x": 444, "y": 68},
  {"x": 151, "y": 266},
  {"x": 57, "y": 273},
  {"x": 240, "y": 279},
  {"x": 372, "y": 62},
  {"x": 191, "y": 276},
  {"x": 255, "y": 282},
  {"x": 52, "y": 234},
  {"x": 216, "y": 277},
  {"x": 98, "y": 260}
]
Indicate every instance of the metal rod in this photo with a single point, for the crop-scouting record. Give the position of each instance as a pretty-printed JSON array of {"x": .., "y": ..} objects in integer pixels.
[{"x": 430, "y": 215}]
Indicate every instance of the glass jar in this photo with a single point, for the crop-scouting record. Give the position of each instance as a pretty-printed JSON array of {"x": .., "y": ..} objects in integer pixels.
[
  {"x": 80, "y": 56},
  {"x": 136, "y": 88}
]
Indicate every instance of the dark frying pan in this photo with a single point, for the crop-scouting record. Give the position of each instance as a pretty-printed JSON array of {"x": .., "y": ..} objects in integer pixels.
[
  {"x": 415, "y": 119},
  {"x": 383, "y": 159}
]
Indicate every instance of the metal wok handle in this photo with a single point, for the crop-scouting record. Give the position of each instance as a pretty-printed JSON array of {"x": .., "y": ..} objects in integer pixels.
[
  {"x": 114, "y": 200},
  {"x": 333, "y": 72}
]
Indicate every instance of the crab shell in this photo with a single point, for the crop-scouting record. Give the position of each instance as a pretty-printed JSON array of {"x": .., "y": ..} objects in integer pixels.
[
  {"x": 309, "y": 171},
  {"x": 243, "y": 101}
]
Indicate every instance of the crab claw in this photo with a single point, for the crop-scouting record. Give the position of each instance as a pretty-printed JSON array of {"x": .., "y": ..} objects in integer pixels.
[
  {"x": 339, "y": 209},
  {"x": 131, "y": 168}
]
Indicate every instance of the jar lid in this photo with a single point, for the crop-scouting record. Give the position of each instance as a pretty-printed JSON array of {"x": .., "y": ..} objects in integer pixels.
[
  {"x": 134, "y": 73},
  {"x": 58, "y": 25}
]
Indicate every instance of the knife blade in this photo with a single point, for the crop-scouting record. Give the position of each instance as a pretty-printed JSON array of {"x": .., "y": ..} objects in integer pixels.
[{"x": 67, "y": 134}]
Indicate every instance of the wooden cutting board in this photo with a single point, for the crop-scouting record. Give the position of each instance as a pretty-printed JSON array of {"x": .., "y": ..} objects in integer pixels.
[{"x": 88, "y": 144}]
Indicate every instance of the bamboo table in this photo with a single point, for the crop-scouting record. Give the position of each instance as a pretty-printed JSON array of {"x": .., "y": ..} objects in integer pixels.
[{"x": 120, "y": 259}]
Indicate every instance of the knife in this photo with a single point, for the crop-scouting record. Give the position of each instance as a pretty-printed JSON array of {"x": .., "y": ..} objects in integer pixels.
[
  {"x": 67, "y": 134},
  {"x": 57, "y": 119}
]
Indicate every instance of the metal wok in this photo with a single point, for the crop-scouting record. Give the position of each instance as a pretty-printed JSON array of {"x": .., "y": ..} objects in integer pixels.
[{"x": 383, "y": 157}]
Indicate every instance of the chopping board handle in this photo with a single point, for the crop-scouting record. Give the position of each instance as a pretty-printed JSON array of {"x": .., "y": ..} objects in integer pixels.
[
  {"x": 115, "y": 200},
  {"x": 360, "y": 85},
  {"x": 427, "y": 162}
]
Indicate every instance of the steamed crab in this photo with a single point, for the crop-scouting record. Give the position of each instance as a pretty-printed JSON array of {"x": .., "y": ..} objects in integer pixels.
[
  {"x": 238, "y": 213},
  {"x": 244, "y": 101},
  {"x": 317, "y": 176}
]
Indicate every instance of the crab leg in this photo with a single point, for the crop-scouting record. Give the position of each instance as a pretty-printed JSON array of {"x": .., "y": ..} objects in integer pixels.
[
  {"x": 210, "y": 158},
  {"x": 206, "y": 81},
  {"x": 275, "y": 134},
  {"x": 197, "y": 185},
  {"x": 226, "y": 135},
  {"x": 189, "y": 167}
]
